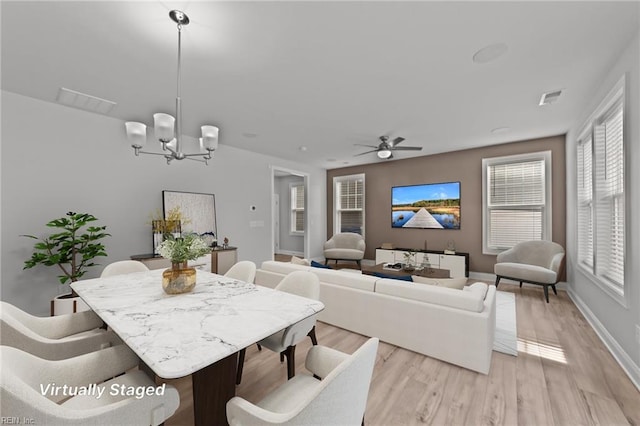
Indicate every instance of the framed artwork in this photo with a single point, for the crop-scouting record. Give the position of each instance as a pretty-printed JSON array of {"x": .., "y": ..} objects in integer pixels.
[{"x": 197, "y": 210}]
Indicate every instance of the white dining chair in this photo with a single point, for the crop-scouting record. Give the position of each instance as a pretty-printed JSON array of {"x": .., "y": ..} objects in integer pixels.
[
  {"x": 335, "y": 393},
  {"x": 123, "y": 267},
  {"x": 245, "y": 270},
  {"x": 28, "y": 389},
  {"x": 300, "y": 283},
  {"x": 53, "y": 338}
]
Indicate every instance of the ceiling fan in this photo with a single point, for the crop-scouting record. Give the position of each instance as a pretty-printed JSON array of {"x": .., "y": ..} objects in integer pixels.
[{"x": 385, "y": 148}]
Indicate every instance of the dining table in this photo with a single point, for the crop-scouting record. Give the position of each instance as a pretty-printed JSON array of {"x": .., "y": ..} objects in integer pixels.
[{"x": 197, "y": 333}]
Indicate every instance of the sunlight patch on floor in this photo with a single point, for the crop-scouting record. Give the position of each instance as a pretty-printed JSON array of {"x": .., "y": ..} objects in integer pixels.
[{"x": 553, "y": 353}]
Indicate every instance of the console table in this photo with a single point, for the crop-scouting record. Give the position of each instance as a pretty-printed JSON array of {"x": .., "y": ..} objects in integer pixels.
[
  {"x": 428, "y": 273},
  {"x": 457, "y": 264},
  {"x": 222, "y": 259}
]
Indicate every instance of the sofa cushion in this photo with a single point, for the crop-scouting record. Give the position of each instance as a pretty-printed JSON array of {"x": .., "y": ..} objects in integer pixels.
[
  {"x": 346, "y": 279},
  {"x": 393, "y": 277},
  {"x": 457, "y": 283},
  {"x": 478, "y": 288},
  {"x": 465, "y": 300},
  {"x": 526, "y": 272},
  {"x": 282, "y": 267},
  {"x": 315, "y": 264},
  {"x": 343, "y": 254},
  {"x": 297, "y": 261}
]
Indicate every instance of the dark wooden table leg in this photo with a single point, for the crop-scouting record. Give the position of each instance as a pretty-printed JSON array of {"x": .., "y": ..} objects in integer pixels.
[{"x": 213, "y": 386}]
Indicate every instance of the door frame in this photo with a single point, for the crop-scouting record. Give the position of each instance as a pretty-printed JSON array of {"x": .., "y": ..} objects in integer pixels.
[{"x": 305, "y": 176}]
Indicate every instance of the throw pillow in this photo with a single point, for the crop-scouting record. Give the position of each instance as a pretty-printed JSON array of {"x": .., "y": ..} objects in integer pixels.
[
  {"x": 457, "y": 283},
  {"x": 297, "y": 261},
  {"x": 319, "y": 265},
  {"x": 393, "y": 277},
  {"x": 478, "y": 288}
]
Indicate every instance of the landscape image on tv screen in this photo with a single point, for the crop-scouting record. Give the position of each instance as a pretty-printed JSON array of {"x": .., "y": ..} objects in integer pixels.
[{"x": 432, "y": 206}]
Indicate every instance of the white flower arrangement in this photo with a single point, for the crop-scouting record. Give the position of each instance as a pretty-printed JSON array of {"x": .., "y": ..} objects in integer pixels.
[{"x": 182, "y": 249}]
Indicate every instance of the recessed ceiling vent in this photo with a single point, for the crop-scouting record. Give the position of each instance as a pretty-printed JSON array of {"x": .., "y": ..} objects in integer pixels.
[
  {"x": 550, "y": 97},
  {"x": 83, "y": 101}
]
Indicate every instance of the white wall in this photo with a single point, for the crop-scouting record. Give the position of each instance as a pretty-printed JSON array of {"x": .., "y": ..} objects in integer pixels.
[
  {"x": 615, "y": 323},
  {"x": 57, "y": 159}
]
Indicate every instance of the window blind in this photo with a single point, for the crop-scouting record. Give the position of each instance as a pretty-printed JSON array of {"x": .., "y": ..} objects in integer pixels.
[
  {"x": 349, "y": 204},
  {"x": 585, "y": 201},
  {"x": 297, "y": 208}
]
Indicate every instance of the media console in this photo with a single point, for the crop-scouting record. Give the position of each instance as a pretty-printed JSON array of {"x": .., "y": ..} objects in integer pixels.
[{"x": 457, "y": 264}]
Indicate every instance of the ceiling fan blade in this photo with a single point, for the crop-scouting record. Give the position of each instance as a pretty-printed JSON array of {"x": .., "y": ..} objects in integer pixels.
[
  {"x": 396, "y": 141},
  {"x": 368, "y": 146},
  {"x": 407, "y": 148},
  {"x": 366, "y": 152}
]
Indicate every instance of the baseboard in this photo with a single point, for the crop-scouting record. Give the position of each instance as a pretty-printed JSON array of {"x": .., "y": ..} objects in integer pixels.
[
  {"x": 624, "y": 360},
  {"x": 291, "y": 253}
]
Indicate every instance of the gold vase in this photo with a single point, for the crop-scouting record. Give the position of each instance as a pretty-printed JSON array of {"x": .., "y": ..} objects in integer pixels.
[{"x": 180, "y": 278}]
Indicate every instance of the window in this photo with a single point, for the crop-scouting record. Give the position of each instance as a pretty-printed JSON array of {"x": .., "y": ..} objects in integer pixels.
[
  {"x": 516, "y": 200},
  {"x": 297, "y": 208},
  {"x": 600, "y": 191},
  {"x": 349, "y": 204}
]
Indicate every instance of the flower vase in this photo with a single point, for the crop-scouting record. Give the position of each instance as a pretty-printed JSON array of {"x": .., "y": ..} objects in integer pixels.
[{"x": 180, "y": 278}]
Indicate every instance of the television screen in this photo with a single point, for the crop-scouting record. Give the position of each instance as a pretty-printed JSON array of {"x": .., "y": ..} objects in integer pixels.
[{"x": 432, "y": 206}]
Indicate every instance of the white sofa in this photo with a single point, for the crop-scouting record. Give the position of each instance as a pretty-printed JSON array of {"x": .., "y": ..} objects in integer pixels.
[{"x": 452, "y": 325}]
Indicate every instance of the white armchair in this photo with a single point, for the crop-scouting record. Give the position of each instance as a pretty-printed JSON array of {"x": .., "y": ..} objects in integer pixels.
[
  {"x": 345, "y": 246},
  {"x": 300, "y": 283},
  {"x": 53, "y": 338},
  {"x": 339, "y": 396},
  {"x": 24, "y": 391},
  {"x": 123, "y": 267},
  {"x": 535, "y": 262}
]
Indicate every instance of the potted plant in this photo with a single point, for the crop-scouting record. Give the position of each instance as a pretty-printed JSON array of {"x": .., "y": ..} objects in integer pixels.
[
  {"x": 72, "y": 249},
  {"x": 181, "y": 278},
  {"x": 409, "y": 261}
]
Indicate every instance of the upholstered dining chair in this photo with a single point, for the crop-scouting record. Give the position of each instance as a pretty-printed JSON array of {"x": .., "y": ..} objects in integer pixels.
[
  {"x": 535, "y": 262},
  {"x": 335, "y": 393},
  {"x": 53, "y": 338},
  {"x": 300, "y": 283},
  {"x": 245, "y": 270},
  {"x": 29, "y": 386},
  {"x": 345, "y": 246},
  {"x": 123, "y": 267}
]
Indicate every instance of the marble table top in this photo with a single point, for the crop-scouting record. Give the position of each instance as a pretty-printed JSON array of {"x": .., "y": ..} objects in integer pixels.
[{"x": 176, "y": 335}]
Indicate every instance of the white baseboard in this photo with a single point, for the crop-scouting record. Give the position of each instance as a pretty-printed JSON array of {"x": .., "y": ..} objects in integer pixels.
[
  {"x": 484, "y": 276},
  {"x": 624, "y": 360},
  {"x": 292, "y": 253}
]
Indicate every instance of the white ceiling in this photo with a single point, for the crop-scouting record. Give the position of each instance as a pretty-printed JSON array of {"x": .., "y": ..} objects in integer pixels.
[{"x": 275, "y": 76}]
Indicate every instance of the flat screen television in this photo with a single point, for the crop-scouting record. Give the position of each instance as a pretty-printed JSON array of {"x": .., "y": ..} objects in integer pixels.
[{"x": 426, "y": 206}]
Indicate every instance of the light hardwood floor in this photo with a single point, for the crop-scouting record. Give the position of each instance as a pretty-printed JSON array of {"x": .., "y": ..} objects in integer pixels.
[{"x": 563, "y": 375}]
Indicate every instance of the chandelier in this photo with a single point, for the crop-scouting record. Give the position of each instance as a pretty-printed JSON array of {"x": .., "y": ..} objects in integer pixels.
[{"x": 168, "y": 129}]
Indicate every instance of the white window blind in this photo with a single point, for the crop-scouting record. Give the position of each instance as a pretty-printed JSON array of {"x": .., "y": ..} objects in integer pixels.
[
  {"x": 297, "y": 208},
  {"x": 349, "y": 204},
  {"x": 601, "y": 195},
  {"x": 517, "y": 200}
]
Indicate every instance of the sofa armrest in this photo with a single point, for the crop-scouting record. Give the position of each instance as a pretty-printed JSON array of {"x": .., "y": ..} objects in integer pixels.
[
  {"x": 507, "y": 256},
  {"x": 329, "y": 244},
  {"x": 322, "y": 360},
  {"x": 556, "y": 262}
]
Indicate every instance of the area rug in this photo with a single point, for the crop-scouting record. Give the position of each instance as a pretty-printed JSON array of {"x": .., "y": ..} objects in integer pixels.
[{"x": 506, "y": 339}]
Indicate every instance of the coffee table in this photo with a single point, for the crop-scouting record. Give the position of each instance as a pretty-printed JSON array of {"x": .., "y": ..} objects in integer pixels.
[{"x": 426, "y": 272}]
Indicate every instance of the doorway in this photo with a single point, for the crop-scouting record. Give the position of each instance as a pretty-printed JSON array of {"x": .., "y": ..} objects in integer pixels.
[{"x": 289, "y": 189}]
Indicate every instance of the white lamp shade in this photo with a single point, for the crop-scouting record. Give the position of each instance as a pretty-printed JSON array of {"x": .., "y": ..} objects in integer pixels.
[
  {"x": 385, "y": 153},
  {"x": 136, "y": 133},
  {"x": 163, "y": 124},
  {"x": 210, "y": 137}
]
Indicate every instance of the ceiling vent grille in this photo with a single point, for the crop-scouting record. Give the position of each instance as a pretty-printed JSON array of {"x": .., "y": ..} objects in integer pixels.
[
  {"x": 550, "y": 97},
  {"x": 83, "y": 101}
]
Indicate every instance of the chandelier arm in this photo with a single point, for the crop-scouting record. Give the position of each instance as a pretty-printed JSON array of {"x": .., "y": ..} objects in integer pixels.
[
  {"x": 152, "y": 153},
  {"x": 199, "y": 154}
]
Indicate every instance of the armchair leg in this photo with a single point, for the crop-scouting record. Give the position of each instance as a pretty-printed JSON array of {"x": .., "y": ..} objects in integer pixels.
[
  {"x": 240, "y": 365},
  {"x": 546, "y": 292},
  {"x": 290, "y": 352},
  {"x": 282, "y": 356},
  {"x": 326, "y": 261},
  {"x": 359, "y": 265},
  {"x": 497, "y": 280},
  {"x": 553, "y": 287},
  {"x": 312, "y": 335},
  {"x": 520, "y": 284}
]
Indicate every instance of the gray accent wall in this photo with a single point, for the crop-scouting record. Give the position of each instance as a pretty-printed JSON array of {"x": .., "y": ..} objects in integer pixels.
[{"x": 57, "y": 159}]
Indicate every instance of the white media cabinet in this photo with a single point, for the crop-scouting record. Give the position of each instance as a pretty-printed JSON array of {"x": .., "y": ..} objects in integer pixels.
[{"x": 457, "y": 264}]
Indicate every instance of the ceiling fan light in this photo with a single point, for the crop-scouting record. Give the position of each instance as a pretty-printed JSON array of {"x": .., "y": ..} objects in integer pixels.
[
  {"x": 136, "y": 133},
  {"x": 384, "y": 154},
  {"x": 163, "y": 124}
]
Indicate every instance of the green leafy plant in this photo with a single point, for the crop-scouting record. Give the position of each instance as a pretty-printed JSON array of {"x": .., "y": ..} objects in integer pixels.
[
  {"x": 182, "y": 249},
  {"x": 72, "y": 249}
]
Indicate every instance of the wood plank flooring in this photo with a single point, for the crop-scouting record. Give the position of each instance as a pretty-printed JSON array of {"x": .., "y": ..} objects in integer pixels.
[{"x": 563, "y": 375}]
